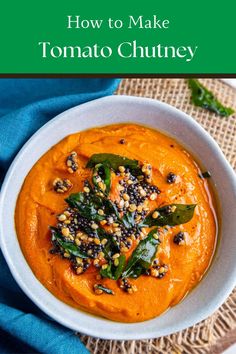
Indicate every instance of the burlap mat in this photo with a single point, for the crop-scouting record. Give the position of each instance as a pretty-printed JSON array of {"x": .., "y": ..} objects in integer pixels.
[{"x": 199, "y": 338}]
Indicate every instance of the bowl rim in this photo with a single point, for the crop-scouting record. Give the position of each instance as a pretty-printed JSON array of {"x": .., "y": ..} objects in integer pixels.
[{"x": 39, "y": 302}]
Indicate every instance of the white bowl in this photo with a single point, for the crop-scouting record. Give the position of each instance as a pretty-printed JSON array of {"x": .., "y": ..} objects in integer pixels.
[{"x": 219, "y": 280}]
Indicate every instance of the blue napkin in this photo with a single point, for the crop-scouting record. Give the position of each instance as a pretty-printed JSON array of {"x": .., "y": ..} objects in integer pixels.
[{"x": 25, "y": 105}]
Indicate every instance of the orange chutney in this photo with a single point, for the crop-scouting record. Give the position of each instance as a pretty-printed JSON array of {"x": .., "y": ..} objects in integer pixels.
[{"x": 38, "y": 205}]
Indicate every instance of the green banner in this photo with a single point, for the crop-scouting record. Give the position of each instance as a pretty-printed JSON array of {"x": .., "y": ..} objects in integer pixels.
[{"x": 124, "y": 37}]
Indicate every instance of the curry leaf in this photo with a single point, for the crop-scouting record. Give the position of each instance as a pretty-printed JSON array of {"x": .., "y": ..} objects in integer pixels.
[
  {"x": 120, "y": 267},
  {"x": 86, "y": 204},
  {"x": 112, "y": 161},
  {"x": 171, "y": 215},
  {"x": 129, "y": 219},
  {"x": 110, "y": 208},
  {"x": 205, "y": 99},
  {"x": 111, "y": 247},
  {"x": 105, "y": 289},
  {"x": 72, "y": 249},
  {"x": 112, "y": 271},
  {"x": 142, "y": 257},
  {"x": 107, "y": 273},
  {"x": 103, "y": 173},
  {"x": 69, "y": 247}
]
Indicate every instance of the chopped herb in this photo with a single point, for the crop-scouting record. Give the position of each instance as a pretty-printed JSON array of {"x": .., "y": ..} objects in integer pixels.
[
  {"x": 205, "y": 99},
  {"x": 104, "y": 289}
]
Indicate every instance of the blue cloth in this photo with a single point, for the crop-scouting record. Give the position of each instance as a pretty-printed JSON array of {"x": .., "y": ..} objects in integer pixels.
[{"x": 25, "y": 105}]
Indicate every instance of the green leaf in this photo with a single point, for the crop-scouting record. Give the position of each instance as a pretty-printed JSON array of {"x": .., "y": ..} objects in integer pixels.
[
  {"x": 86, "y": 204},
  {"x": 120, "y": 267},
  {"x": 205, "y": 99},
  {"x": 112, "y": 161},
  {"x": 112, "y": 271},
  {"x": 107, "y": 273},
  {"x": 104, "y": 289},
  {"x": 182, "y": 214},
  {"x": 104, "y": 172},
  {"x": 110, "y": 207},
  {"x": 69, "y": 247},
  {"x": 75, "y": 198},
  {"x": 111, "y": 247},
  {"x": 128, "y": 219},
  {"x": 72, "y": 249},
  {"x": 142, "y": 257}
]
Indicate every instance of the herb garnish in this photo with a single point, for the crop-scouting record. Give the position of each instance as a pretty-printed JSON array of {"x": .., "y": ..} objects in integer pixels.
[
  {"x": 102, "y": 178},
  {"x": 86, "y": 204},
  {"x": 171, "y": 215},
  {"x": 205, "y": 99},
  {"x": 104, "y": 289},
  {"x": 111, "y": 247},
  {"x": 142, "y": 256},
  {"x": 81, "y": 234},
  {"x": 128, "y": 219},
  {"x": 112, "y": 271},
  {"x": 68, "y": 247},
  {"x": 111, "y": 160}
]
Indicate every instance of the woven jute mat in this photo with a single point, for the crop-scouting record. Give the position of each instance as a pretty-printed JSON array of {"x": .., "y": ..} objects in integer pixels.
[{"x": 201, "y": 337}]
